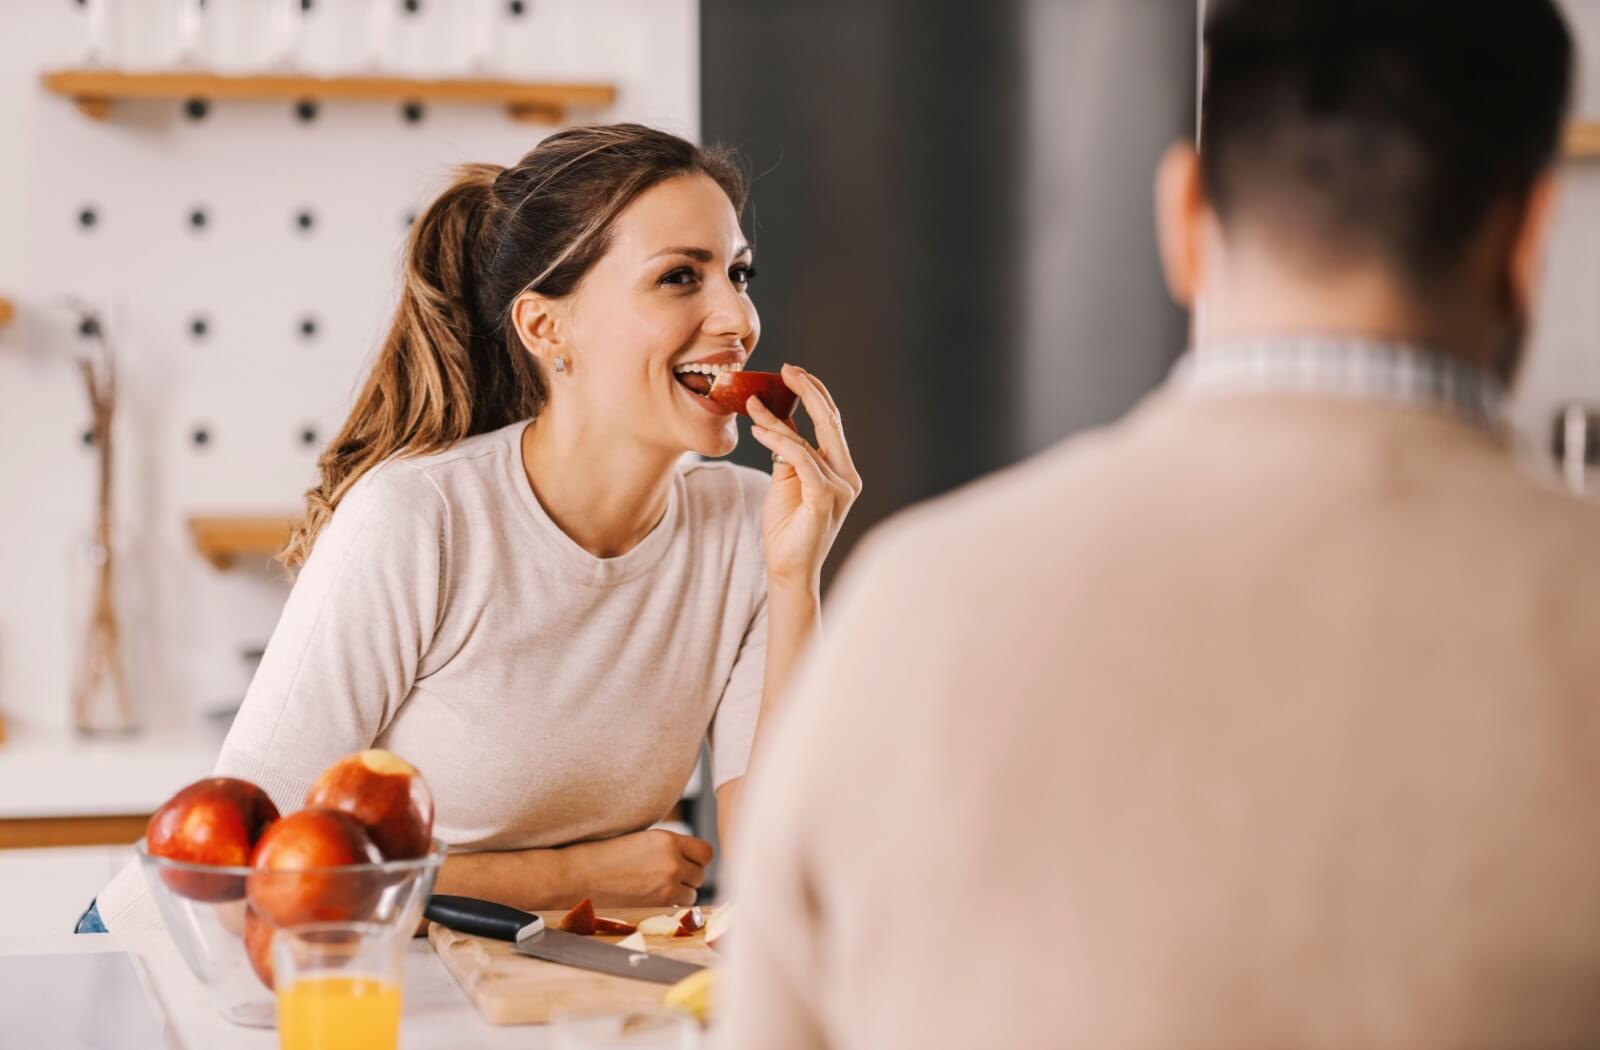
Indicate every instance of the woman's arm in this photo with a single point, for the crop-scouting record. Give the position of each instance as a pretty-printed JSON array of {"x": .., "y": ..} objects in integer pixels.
[
  {"x": 646, "y": 869},
  {"x": 792, "y": 618},
  {"x": 812, "y": 490}
]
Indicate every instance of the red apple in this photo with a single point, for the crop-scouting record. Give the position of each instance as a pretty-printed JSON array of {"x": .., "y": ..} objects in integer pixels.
[
  {"x": 732, "y": 390},
  {"x": 690, "y": 921},
  {"x": 258, "y": 934},
  {"x": 613, "y": 927},
  {"x": 386, "y": 794},
  {"x": 287, "y": 886},
  {"x": 216, "y": 821},
  {"x": 580, "y": 919}
]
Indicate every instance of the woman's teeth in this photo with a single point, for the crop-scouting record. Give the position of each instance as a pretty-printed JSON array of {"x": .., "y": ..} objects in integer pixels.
[{"x": 697, "y": 379}]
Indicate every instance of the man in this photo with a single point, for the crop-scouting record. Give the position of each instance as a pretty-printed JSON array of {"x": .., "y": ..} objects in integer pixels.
[{"x": 1269, "y": 717}]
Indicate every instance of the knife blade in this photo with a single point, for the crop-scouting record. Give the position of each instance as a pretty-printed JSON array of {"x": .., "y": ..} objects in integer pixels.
[{"x": 531, "y": 937}]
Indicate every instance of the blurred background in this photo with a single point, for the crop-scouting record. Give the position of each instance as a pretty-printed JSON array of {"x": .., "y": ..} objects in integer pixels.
[{"x": 951, "y": 211}]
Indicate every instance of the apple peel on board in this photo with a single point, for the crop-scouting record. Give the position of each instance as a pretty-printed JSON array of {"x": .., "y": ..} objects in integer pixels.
[{"x": 580, "y": 919}]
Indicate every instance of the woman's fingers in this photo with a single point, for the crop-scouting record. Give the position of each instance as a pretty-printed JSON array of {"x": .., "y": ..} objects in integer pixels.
[
  {"x": 802, "y": 459},
  {"x": 763, "y": 417},
  {"x": 697, "y": 850},
  {"x": 825, "y": 417}
]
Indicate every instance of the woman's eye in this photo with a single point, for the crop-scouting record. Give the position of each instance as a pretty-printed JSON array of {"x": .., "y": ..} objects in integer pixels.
[
  {"x": 742, "y": 275},
  {"x": 683, "y": 275}
]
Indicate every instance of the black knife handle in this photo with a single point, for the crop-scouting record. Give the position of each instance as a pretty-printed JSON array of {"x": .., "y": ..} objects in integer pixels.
[{"x": 471, "y": 915}]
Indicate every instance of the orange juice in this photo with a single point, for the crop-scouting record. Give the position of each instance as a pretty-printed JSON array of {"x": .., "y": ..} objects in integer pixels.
[{"x": 339, "y": 1013}]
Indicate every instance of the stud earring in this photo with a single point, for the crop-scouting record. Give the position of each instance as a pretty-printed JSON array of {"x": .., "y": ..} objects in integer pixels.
[{"x": 559, "y": 364}]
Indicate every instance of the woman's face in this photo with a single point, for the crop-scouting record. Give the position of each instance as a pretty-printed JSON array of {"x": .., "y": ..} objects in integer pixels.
[{"x": 671, "y": 292}]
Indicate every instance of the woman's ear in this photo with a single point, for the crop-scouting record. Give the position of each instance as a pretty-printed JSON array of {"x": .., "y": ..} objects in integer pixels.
[
  {"x": 536, "y": 322},
  {"x": 1180, "y": 215},
  {"x": 1529, "y": 246}
]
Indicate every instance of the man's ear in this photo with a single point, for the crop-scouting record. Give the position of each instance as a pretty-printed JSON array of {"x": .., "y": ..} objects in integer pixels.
[
  {"x": 1180, "y": 215},
  {"x": 1530, "y": 243}
]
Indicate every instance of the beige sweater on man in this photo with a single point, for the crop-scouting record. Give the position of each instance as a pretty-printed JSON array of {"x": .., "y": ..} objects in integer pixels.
[{"x": 1256, "y": 721}]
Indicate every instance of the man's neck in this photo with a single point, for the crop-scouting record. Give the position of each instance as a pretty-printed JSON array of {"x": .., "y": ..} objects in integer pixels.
[{"x": 1254, "y": 296}]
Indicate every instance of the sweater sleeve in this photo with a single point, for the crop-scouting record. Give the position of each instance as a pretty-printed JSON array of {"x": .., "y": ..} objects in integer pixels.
[
  {"x": 733, "y": 727},
  {"x": 347, "y": 648},
  {"x": 352, "y": 637}
]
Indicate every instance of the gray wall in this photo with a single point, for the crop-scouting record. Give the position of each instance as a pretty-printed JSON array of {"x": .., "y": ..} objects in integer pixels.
[
  {"x": 951, "y": 214},
  {"x": 1110, "y": 87}
]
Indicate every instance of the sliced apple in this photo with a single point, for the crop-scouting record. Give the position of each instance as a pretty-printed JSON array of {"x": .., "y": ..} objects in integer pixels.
[
  {"x": 580, "y": 919},
  {"x": 732, "y": 392},
  {"x": 718, "y": 925},
  {"x": 660, "y": 926},
  {"x": 690, "y": 922},
  {"x": 634, "y": 942},
  {"x": 613, "y": 927}
]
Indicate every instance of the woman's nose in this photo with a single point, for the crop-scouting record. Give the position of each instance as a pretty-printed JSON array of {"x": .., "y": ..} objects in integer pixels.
[{"x": 732, "y": 312}]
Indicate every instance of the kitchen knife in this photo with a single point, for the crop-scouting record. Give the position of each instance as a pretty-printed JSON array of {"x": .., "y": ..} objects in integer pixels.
[{"x": 531, "y": 937}]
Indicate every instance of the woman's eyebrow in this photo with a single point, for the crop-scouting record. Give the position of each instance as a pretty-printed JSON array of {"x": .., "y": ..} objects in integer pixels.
[{"x": 703, "y": 255}]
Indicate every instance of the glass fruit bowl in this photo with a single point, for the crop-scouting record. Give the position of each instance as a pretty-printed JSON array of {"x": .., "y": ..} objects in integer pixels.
[{"x": 223, "y": 919}]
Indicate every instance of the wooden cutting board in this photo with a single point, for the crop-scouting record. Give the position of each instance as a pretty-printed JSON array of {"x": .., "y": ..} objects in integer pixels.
[{"x": 509, "y": 988}]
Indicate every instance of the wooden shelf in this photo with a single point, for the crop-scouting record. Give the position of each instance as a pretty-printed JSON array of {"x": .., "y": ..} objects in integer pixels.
[
  {"x": 1583, "y": 140},
  {"x": 95, "y": 90},
  {"x": 222, "y": 541}
]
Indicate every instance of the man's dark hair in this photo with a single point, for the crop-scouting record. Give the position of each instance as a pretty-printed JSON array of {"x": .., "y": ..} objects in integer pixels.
[{"x": 1391, "y": 128}]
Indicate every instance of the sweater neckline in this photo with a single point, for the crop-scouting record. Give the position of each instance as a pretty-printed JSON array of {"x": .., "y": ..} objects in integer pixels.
[{"x": 573, "y": 561}]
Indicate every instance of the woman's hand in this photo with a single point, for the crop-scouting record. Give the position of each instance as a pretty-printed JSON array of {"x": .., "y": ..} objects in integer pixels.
[
  {"x": 645, "y": 869},
  {"x": 812, "y": 487}
]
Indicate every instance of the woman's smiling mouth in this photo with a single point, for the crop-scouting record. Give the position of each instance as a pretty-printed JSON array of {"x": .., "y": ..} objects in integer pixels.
[{"x": 697, "y": 378}]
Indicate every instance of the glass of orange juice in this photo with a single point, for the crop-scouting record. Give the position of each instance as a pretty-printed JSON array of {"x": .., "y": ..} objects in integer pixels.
[{"x": 339, "y": 986}]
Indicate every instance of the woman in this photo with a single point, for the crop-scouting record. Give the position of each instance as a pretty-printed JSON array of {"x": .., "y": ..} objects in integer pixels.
[{"x": 511, "y": 574}]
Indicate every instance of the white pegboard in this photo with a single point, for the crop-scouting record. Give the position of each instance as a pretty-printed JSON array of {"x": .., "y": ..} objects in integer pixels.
[{"x": 254, "y": 383}]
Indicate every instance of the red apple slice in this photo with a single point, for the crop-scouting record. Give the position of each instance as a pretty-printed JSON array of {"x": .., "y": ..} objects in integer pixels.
[
  {"x": 613, "y": 927},
  {"x": 690, "y": 922},
  {"x": 634, "y": 943},
  {"x": 580, "y": 919},
  {"x": 733, "y": 389}
]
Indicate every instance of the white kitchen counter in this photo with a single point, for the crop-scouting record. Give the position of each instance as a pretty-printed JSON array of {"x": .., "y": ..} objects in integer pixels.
[
  {"x": 437, "y": 1014},
  {"x": 55, "y": 773}
]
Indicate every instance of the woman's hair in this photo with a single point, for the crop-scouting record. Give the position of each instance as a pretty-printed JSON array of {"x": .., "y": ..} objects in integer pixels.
[{"x": 452, "y": 364}]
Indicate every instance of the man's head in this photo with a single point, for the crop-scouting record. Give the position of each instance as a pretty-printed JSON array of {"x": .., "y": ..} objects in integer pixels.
[{"x": 1394, "y": 152}]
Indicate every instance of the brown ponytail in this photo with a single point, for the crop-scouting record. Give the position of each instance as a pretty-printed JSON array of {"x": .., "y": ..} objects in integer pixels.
[{"x": 451, "y": 365}]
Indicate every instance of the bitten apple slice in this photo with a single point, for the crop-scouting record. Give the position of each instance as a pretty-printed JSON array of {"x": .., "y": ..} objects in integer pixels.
[
  {"x": 717, "y": 927},
  {"x": 580, "y": 919},
  {"x": 613, "y": 927},
  {"x": 386, "y": 794},
  {"x": 690, "y": 922},
  {"x": 659, "y": 926},
  {"x": 732, "y": 390},
  {"x": 634, "y": 943}
]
